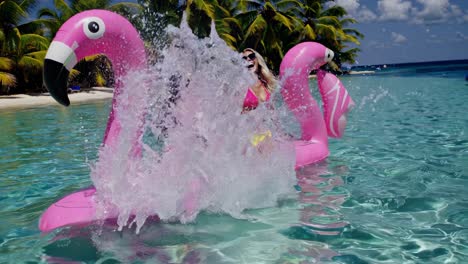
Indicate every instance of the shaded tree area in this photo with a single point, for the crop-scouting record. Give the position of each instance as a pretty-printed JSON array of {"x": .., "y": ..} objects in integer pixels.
[
  {"x": 271, "y": 27},
  {"x": 23, "y": 48}
]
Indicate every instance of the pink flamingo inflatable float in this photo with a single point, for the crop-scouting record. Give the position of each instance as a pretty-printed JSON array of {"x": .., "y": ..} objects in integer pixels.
[
  {"x": 315, "y": 126},
  {"x": 103, "y": 32}
]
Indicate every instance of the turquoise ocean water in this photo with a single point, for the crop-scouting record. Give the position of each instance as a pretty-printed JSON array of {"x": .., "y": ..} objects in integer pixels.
[{"x": 394, "y": 190}]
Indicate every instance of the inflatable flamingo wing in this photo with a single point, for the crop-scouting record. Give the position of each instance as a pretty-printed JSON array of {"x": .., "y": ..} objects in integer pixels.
[
  {"x": 89, "y": 33},
  {"x": 336, "y": 103}
]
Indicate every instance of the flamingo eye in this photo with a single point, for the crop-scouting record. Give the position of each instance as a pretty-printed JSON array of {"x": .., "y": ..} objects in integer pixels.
[
  {"x": 94, "y": 27},
  {"x": 329, "y": 55}
]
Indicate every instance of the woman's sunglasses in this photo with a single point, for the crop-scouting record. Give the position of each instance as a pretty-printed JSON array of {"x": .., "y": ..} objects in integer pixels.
[{"x": 251, "y": 56}]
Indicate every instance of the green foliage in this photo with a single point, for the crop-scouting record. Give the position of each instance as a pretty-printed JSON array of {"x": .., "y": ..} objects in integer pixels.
[
  {"x": 271, "y": 27},
  {"x": 7, "y": 79},
  {"x": 22, "y": 48}
]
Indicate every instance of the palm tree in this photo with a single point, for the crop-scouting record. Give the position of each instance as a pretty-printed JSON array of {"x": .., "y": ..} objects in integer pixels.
[
  {"x": 22, "y": 47},
  {"x": 271, "y": 27},
  {"x": 267, "y": 24},
  {"x": 29, "y": 60},
  {"x": 325, "y": 26}
]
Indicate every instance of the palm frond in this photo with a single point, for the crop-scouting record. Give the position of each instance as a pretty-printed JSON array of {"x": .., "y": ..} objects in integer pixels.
[
  {"x": 47, "y": 12},
  {"x": 2, "y": 37},
  {"x": 352, "y": 31},
  {"x": 289, "y": 6},
  {"x": 327, "y": 31},
  {"x": 308, "y": 33},
  {"x": 333, "y": 65},
  {"x": 30, "y": 27},
  {"x": 229, "y": 21},
  {"x": 33, "y": 42},
  {"x": 248, "y": 5},
  {"x": 11, "y": 12},
  {"x": 6, "y": 64},
  {"x": 66, "y": 11},
  {"x": 329, "y": 20},
  {"x": 256, "y": 27},
  {"x": 347, "y": 21},
  {"x": 246, "y": 17},
  {"x": 230, "y": 40},
  {"x": 336, "y": 10},
  {"x": 27, "y": 5},
  {"x": 40, "y": 55},
  {"x": 350, "y": 38},
  {"x": 93, "y": 57},
  {"x": 283, "y": 20},
  {"x": 30, "y": 64},
  {"x": 205, "y": 7},
  {"x": 100, "y": 79},
  {"x": 312, "y": 10},
  {"x": 349, "y": 55},
  {"x": 74, "y": 73},
  {"x": 51, "y": 23},
  {"x": 12, "y": 41},
  {"x": 222, "y": 11},
  {"x": 7, "y": 79}
]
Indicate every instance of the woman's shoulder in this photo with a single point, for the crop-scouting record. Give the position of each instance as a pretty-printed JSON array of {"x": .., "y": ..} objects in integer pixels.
[{"x": 262, "y": 82}]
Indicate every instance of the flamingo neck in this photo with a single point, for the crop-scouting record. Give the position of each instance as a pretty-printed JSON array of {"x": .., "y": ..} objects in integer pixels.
[{"x": 120, "y": 66}]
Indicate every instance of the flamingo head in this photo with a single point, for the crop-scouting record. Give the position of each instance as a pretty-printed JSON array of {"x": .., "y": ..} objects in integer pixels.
[
  {"x": 89, "y": 33},
  {"x": 305, "y": 57}
]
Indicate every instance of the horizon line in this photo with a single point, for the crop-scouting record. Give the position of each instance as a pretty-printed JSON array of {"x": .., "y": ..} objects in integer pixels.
[{"x": 456, "y": 61}]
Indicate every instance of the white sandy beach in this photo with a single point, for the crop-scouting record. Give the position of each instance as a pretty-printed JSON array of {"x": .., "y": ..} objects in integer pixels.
[
  {"x": 28, "y": 101},
  {"x": 93, "y": 94}
]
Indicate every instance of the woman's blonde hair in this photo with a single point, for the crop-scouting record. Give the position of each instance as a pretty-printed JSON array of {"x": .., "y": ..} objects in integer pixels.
[{"x": 263, "y": 72}]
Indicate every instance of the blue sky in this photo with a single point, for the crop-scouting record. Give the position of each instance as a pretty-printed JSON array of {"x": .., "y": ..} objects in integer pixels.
[{"x": 399, "y": 31}]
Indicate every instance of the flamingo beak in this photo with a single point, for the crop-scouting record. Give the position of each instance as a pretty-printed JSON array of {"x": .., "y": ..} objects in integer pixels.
[{"x": 59, "y": 61}]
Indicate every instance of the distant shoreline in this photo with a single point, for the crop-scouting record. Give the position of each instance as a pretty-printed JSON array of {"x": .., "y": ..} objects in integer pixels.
[
  {"x": 21, "y": 101},
  {"x": 411, "y": 64},
  {"x": 349, "y": 73}
]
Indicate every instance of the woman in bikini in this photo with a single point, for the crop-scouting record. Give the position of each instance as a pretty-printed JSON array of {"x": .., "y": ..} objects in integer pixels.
[
  {"x": 265, "y": 85},
  {"x": 258, "y": 93}
]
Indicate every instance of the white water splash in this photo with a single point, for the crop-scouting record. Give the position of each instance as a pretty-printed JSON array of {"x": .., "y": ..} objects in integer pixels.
[{"x": 197, "y": 153}]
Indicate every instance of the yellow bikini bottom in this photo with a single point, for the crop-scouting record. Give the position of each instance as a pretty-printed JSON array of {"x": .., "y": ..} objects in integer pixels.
[{"x": 260, "y": 137}]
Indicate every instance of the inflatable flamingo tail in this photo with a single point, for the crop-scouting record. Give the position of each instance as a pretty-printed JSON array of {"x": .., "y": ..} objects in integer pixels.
[
  {"x": 75, "y": 209},
  {"x": 336, "y": 103}
]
